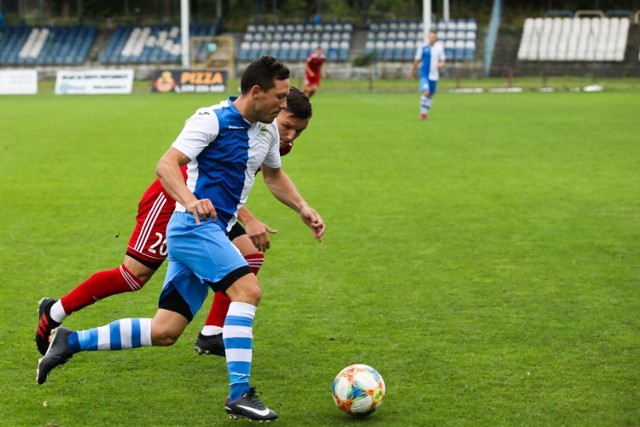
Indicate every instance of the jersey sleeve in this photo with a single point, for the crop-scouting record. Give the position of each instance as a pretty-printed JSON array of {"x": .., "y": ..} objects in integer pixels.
[
  {"x": 442, "y": 56},
  {"x": 199, "y": 130},
  {"x": 273, "y": 155}
]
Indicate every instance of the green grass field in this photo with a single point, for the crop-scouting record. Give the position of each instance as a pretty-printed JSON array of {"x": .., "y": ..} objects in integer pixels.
[{"x": 484, "y": 262}]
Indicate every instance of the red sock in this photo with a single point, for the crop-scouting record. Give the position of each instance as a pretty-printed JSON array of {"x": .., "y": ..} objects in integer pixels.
[
  {"x": 255, "y": 261},
  {"x": 221, "y": 302},
  {"x": 99, "y": 286},
  {"x": 310, "y": 94}
]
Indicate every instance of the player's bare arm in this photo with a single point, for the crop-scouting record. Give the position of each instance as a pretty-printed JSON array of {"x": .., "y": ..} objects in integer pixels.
[
  {"x": 168, "y": 170},
  {"x": 257, "y": 230},
  {"x": 314, "y": 221},
  {"x": 413, "y": 68},
  {"x": 308, "y": 69},
  {"x": 286, "y": 192}
]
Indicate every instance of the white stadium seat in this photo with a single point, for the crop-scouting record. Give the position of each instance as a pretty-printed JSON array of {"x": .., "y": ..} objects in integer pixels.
[{"x": 574, "y": 39}]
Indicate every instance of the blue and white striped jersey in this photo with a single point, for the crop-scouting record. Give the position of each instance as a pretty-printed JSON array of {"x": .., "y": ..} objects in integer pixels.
[
  {"x": 226, "y": 152},
  {"x": 430, "y": 56}
]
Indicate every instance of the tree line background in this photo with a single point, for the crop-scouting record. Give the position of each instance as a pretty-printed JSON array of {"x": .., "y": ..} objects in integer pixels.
[{"x": 237, "y": 13}]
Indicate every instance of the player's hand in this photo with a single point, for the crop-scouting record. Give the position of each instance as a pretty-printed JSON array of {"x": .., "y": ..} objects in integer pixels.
[
  {"x": 311, "y": 73},
  {"x": 314, "y": 222},
  {"x": 259, "y": 232},
  {"x": 202, "y": 209}
]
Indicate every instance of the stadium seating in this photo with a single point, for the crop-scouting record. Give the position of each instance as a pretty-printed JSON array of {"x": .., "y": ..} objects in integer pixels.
[
  {"x": 293, "y": 42},
  {"x": 156, "y": 44},
  {"x": 47, "y": 45},
  {"x": 574, "y": 39},
  {"x": 397, "y": 40}
]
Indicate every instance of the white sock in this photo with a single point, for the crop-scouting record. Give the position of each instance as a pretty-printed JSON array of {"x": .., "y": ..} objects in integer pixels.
[
  {"x": 57, "y": 313},
  {"x": 209, "y": 330}
]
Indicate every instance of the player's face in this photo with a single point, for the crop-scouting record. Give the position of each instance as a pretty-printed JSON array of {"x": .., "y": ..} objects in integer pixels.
[
  {"x": 290, "y": 128},
  {"x": 432, "y": 38},
  {"x": 269, "y": 104}
]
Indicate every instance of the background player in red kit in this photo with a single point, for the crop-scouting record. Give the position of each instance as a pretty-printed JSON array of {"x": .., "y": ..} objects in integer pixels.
[
  {"x": 313, "y": 71},
  {"x": 147, "y": 249}
]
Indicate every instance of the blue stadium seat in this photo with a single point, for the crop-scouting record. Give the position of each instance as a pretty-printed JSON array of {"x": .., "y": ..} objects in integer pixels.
[
  {"x": 343, "y": 53},
  {"x": 369, "y": 47},
  {"x": 398, "y": 50},
  {"x": 332, "y": 54},
  {"x": 410, "y": 50},
  {"x": 469, "y": 50},
  {"x": 245, "y": 50}
]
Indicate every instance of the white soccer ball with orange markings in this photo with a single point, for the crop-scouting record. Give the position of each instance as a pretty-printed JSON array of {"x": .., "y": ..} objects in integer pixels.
[{"x": 358, "y": 390}]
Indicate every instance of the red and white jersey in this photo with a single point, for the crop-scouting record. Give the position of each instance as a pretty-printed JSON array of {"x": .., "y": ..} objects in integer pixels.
[
  {"x": 148, "y": 242},
  {"x": 315, "y": 62}
]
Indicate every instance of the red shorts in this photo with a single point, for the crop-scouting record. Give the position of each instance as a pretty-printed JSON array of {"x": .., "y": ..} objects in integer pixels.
[
  {"x": 148, "y": 243},
  {"x": 308, "y": 80}
]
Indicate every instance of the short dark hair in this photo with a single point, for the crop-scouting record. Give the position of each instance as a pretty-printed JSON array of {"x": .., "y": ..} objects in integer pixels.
[
  {"x": 263, "y": 72},
  {"x": 298, "y": 104}
]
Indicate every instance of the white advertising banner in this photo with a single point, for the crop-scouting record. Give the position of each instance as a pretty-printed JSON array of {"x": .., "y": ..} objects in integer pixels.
[
  {"x": 94, "y": 82},
  {"x": 18, "y": 82}
]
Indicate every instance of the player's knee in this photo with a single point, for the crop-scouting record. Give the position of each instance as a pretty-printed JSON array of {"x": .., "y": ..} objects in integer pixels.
[
  {"x": 141, "y": 273},
  {"x": 161, "y": 336},
  {"x": 143, "y": 279},
  {"x": 247, "y": 291},
  {"x": 253, "y": 295},
  {"x": 166, "y": 328}
]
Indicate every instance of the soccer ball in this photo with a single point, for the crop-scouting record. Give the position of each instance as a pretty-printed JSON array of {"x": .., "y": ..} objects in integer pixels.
[{"x": 358, "y": 390}]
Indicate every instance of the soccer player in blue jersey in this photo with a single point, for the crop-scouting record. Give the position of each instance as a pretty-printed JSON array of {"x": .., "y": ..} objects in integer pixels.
[
  {"x": 223, "y": 146},
  {"x": 430, "y": 56},
  {"x": 146, "y": 250}
]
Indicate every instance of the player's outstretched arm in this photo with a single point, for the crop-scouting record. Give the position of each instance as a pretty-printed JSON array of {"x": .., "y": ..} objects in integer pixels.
[{"x": 285, "y": 190}]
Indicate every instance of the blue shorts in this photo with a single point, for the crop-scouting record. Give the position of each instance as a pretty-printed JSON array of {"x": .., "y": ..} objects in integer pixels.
[
  {"x": 200, "y": 256},
  {"x": 426, "y": 84}
]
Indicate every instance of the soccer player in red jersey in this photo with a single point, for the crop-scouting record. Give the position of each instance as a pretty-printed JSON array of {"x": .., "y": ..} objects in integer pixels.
[
  {"x": 147, "y": 250},
  {"x": 313, "y": 71}
]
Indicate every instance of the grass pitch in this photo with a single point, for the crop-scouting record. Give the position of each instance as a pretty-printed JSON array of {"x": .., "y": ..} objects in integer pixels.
[{"x": 484, "y": 262}]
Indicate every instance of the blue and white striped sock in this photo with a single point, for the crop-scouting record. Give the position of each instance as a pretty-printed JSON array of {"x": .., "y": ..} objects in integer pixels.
[
  {"x": 119, "y": 335},
  {"x": 238, "y": 343},
  {"x": 425, "y": 104}
]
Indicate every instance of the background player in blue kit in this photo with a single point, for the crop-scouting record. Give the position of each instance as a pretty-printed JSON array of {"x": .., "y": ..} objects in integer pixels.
[{"x": 431, "y": 56}]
